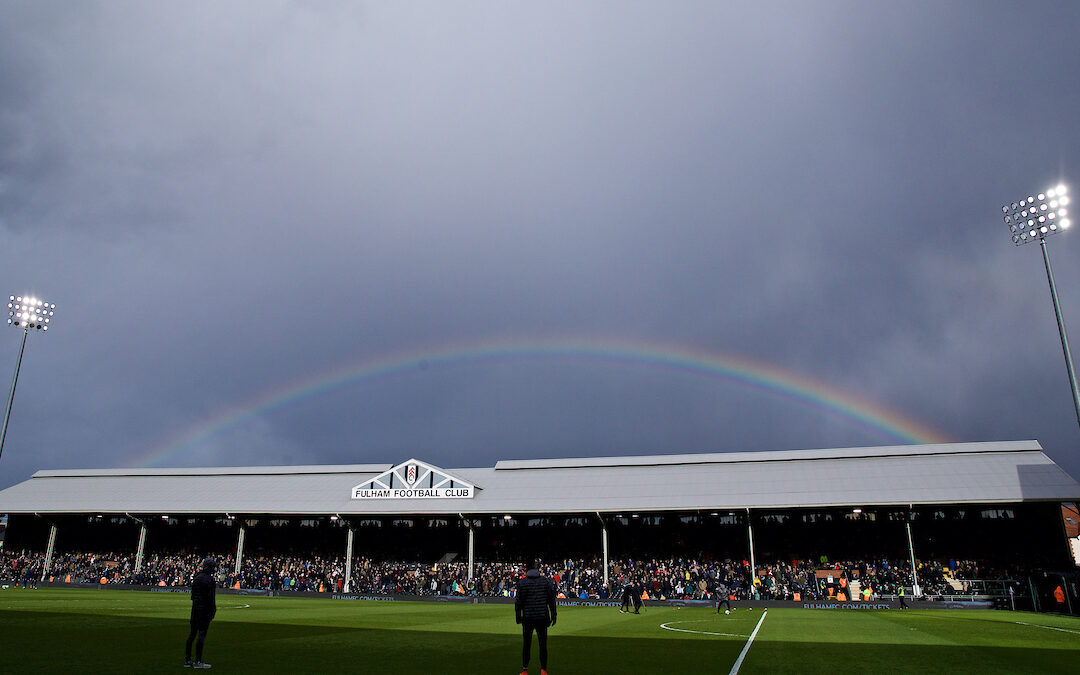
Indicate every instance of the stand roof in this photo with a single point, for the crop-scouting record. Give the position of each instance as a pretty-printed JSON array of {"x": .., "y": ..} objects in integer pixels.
[{"x": 1015, "y": 471}]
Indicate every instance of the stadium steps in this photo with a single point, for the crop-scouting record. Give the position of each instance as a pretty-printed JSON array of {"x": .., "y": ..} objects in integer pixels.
[
  {"x": 955, "y": 584},
  {"x": 854, "y": 590}
]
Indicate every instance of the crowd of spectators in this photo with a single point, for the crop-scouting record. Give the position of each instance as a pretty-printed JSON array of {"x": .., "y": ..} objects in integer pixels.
[{"x": 673, "y": 578}]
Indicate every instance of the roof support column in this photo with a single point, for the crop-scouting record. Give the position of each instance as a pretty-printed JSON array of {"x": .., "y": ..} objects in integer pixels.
[
  {"x": 469, "y": 523},
  {"x": 239, "y": 550},
  {"x": 348, "y": 558},
  {"x": 604, "y": 546},
  {"x": 472, "y": 552},
  {"x": 141, "y": 550},
  {"x": 750, "y": 540},
  {"x": 911, "y": 552},
  {"x": 49, "y": 551}
]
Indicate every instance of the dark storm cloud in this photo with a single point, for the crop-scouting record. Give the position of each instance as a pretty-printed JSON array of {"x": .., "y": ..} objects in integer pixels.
[{"x": 225, "y": 198}]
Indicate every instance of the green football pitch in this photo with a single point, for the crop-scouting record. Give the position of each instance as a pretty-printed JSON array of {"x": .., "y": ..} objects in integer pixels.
[{"x": 95, "y": 631}]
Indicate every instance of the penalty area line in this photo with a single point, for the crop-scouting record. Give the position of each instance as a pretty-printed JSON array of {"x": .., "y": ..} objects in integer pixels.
[
  {"x": 1035, "y": 625},
  {"x": 668, "y": 626},
  {"x": 746, "y": 648}
]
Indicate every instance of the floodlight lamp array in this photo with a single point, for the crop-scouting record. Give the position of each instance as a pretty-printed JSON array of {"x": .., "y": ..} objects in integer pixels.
[
  {"x": 29, "y": 313},
  {"x": 1037, "y": 216}
]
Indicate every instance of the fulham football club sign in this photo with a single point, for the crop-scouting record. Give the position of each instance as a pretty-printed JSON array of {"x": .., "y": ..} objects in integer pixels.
[{"x": 414, "y": 480}]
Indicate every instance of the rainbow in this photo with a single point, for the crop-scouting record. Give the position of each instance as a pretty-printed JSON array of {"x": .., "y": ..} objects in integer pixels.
[{"x": 767, "y": 378}]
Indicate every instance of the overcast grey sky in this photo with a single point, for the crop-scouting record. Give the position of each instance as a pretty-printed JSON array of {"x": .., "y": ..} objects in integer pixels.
[{"x": 229, "y": 199}]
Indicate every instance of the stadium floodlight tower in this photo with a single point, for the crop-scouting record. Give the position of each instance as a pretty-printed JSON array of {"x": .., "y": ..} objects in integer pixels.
[
  {"x": 1034, "y": 218},
  {"x": 30, "y": 314}
]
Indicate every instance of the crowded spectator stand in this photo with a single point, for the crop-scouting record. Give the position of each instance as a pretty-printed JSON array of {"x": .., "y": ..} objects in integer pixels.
[{"x": 750, "y": 526}]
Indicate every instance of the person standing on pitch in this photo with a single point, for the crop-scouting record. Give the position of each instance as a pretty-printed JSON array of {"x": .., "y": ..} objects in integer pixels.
[
  {"x": 627, "y": 596},
  {"x": 534, "y": 609},
  {"x": 203, "y": 609},
  {"x": 723, "y": 597}
]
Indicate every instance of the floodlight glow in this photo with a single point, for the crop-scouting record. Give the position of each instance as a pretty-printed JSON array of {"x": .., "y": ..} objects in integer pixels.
[
  {"x": 27, "y": 312},
  {"x": 1065, "y": 223},
  {"x": 1035, "y": 214}
]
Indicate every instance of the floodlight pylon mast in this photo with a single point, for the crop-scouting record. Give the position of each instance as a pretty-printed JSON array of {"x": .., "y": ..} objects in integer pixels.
[
  {"x": 1036, "y": 218},
  {"x": 26, "y": 313},
  {"x": 1061, "y": 330},
  {"x": 11, "y": 393}
]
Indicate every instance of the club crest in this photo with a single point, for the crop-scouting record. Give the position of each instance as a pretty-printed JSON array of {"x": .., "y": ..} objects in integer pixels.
[{"x": 414, "y": 480}]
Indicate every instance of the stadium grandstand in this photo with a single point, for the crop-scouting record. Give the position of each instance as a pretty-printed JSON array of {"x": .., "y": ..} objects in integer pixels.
[{"x": 939, "y": 520}]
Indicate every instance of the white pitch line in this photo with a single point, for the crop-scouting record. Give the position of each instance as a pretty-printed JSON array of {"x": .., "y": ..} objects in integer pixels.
[
  {"x": 667, "y": 626},
  {"x": 746, "y": 647},
  {"x": 1035, "y": 625}
]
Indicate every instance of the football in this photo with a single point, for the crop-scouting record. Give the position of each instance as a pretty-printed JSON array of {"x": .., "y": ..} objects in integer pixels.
[{"x": 727, "y": 611}]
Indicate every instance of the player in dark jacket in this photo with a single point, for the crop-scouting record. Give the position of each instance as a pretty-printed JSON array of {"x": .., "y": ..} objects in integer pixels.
[
  {"x": 534, "y": 609},
  {"x": 203, "y": 609},
  {"x": 631, "y": 595}
]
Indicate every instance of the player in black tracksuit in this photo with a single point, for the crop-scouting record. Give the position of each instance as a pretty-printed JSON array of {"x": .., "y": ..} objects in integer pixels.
[
  {"x": 534, "y": 609},
  {"x": 627, "y": 597},
  {"x": 203, "y": 609},
  {"x": 631, "y": 595}
]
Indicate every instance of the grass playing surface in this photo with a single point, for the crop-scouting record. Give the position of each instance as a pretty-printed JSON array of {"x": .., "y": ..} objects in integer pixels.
[{"x": 93, "y": 631}]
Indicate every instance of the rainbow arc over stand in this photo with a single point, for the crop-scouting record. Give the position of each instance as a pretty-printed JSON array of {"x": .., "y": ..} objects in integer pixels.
[{"x": 763, "y": 377}]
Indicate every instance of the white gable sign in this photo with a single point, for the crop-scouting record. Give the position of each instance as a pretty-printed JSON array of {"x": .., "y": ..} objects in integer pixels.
[{"x": 414, "y": 480}]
